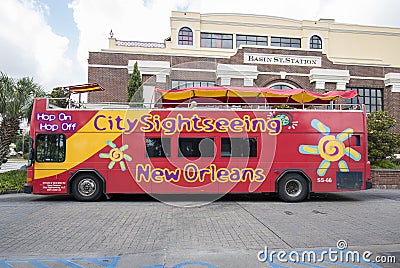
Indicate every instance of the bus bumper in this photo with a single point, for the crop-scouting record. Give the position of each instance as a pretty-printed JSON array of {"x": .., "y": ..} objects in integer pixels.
[
  {"x": 368, "y": 184},
  {"x": 28, "y": 189}
]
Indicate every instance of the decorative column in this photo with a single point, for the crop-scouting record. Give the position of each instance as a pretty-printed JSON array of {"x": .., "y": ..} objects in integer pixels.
[
  {"x": 392, "y": 97},
  {"x": 393, "y": 80},
  {"x": 322, "y": 76},
  {"x": 246, "y": 72}
]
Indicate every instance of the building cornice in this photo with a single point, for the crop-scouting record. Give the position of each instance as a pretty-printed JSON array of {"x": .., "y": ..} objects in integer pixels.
[
  {"x": 213, "y": 71},
  {"x": 172, "y": 53}
]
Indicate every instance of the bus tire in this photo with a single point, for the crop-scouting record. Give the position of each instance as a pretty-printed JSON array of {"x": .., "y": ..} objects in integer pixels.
[
  {"x": 293, "y": 188},
  {"x": 87, "y": 187}
]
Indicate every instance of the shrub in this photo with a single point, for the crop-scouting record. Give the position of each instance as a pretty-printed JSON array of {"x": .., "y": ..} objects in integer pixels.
[
  {"x": 13, "y": 180},
  {"x": 385, "y": 164},
  {"x": 383, "y": 142}
]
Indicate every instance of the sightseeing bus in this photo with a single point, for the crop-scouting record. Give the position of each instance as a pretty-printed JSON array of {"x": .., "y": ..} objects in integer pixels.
[{"x": 213, "y": 140}]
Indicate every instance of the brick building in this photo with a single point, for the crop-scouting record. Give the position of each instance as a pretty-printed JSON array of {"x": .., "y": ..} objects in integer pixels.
[{"x": 254, "y": 50}]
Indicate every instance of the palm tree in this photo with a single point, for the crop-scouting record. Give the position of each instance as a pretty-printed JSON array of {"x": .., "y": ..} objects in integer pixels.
[{"x": 16, "y": 100}]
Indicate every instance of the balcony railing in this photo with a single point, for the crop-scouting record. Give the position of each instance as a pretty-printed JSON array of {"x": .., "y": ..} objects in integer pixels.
[{"x": 139, "y": 44}]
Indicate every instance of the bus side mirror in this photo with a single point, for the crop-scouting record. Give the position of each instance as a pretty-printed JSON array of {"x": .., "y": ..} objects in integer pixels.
[{"x": 31, "y": 157}]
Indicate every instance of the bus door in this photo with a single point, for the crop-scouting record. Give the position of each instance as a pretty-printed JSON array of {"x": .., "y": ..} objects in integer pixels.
[{"x": 50, "y": 155}]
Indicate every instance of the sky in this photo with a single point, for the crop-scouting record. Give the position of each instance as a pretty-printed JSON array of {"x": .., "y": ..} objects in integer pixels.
[{"x": 49, "y": 40}]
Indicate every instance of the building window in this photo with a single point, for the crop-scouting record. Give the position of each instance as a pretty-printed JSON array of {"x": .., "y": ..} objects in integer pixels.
[
  {"x": 177, "y": 84},
  {"x": 158, "y": 147},
  {"x": 50, "y": 148},
  {"x": 285, "y": 42},
  {"x": 216, "y": 40},
  {"x": 281, "y": 86},
  {"x": 315, "y": 42},
  {"x": 239, "y": 147},
  {"x": 196, "y": 147},
  {"x": 251, "y": 40},
  {"x": 371, "y": 97},
  {"x": 185, "y": 36}
]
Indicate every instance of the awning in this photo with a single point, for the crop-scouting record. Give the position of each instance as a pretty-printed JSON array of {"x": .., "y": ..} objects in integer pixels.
[
  {"x": 85, "y": 88},
  {"x": 231, "y": 94}
]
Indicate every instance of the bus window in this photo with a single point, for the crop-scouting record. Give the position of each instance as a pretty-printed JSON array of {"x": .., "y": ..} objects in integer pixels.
[
  {"x": 357, "y": 140},
  {"x": 158, "y": 147},
  {"x": 196, "y": 147},
  {"x": 239, "y": 147},
  {"x": 50, "y": 148}
]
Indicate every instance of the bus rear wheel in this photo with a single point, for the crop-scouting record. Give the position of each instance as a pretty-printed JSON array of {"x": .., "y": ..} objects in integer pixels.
[
  {"x": 293, "y": 188},
  {"x": 86, "y": 187}
]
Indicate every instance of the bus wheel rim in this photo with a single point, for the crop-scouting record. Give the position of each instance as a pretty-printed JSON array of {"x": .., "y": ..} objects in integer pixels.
[
  {"x": 293, "y": 188},
  {"x": 87, "y": 187}
]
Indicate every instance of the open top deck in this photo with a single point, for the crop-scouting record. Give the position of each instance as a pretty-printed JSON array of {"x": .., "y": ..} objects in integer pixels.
[{"x": 236, "y": 98}]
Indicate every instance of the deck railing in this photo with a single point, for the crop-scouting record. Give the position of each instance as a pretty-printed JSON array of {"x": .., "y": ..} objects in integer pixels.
[{"x": 207, "y": 106}]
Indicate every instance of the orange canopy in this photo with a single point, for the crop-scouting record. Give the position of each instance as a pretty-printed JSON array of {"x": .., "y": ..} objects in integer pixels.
[{"x": 261, "y": 94}]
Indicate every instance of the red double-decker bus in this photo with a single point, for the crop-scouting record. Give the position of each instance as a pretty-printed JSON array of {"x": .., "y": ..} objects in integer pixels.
[{"x": 202, "y": 140}]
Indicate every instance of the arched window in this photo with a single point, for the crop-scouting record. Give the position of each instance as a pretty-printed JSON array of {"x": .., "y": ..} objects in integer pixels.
[
  {"x": 315, "y": 42},
  {"x": 185, "y": 36},
  {"x": 281, "y": 86}
]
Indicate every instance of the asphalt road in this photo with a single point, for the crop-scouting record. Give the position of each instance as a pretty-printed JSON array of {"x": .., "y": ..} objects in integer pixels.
[{"x": 138, "y": 231}]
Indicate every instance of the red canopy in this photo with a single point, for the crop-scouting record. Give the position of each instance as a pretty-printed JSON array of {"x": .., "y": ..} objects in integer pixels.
[{"x": 85, "y": 88}]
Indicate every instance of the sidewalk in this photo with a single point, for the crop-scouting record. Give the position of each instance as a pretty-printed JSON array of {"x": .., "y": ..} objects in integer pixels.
[{"x": 13, "y": 164}]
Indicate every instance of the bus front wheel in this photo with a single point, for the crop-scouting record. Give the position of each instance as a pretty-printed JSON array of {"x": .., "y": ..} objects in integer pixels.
[
  {"x": 86, "y": 187},
  {"x": 293, "y": 188}
]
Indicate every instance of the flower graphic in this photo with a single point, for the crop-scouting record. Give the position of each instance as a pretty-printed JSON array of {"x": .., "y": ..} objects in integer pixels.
[
  {"x": 286, "y": 119},
  {"x": 331, "y": 148},
  {"x": 116, "y": 155}
]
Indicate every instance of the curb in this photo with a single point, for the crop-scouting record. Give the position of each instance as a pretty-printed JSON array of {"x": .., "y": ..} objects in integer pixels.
[{"x": 13, "y": 192}]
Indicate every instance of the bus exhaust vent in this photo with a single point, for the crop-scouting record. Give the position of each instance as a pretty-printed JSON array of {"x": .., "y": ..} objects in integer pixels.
[{"x": 348, "y": 180}]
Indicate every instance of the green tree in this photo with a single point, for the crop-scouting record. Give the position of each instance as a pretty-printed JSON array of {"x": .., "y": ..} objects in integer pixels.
[
  {"x": 16, "y": 100},
  {"x": 134, "y": 88},
  {"x": 61, "y": 97},
  {"x": 382, "y": 141},
  {"x": 22, "y": 143}
]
